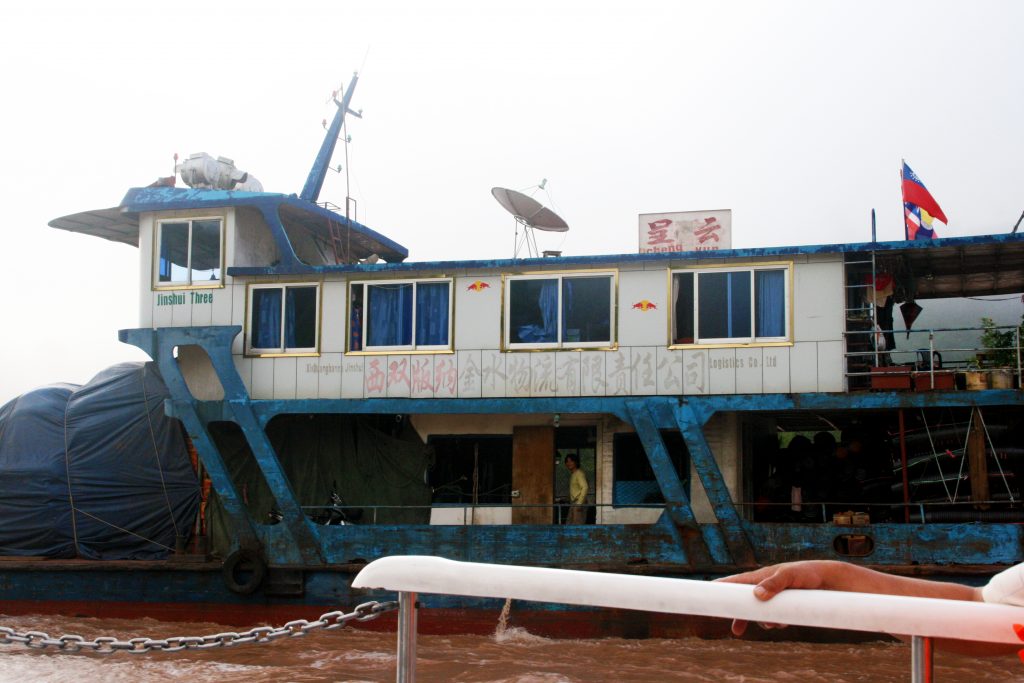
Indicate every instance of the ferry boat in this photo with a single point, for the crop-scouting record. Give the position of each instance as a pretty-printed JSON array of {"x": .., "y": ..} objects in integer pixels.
[{"x": 344, "y": 403}]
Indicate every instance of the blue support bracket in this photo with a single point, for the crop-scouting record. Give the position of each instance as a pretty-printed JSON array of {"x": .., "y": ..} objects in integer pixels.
[
  {"x": 304, "y": 539},
  {"x": 691, "y": 426},
  {"x": 677, "y": 503},
  {"x": 301, "y": 543},
  {"x": 181, "y": 406}
]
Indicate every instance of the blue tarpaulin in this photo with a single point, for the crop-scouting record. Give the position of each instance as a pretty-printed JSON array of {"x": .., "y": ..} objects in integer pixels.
[{"x": 95, "y": 471}]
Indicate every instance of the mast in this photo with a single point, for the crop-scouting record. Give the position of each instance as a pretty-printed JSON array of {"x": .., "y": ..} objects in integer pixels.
[{"x": 317, "y": 174}]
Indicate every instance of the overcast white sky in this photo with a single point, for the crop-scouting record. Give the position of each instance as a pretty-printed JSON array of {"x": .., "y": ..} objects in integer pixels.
[{"x": 793, "y": 114}]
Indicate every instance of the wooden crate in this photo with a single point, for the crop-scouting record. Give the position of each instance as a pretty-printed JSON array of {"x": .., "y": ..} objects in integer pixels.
[
  {"x": 891, "y": 377},
  {"x": 944, "y": 381}
]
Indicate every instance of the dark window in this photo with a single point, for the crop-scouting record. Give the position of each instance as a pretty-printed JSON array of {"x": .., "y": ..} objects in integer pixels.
[
  {"x": 400, "y": 315},
  {"x": 189, "y": 252},
  {"x": 729, "y": 306},
  {"x": 283, "y": 319},
  {"x": 471, "y": 470},
  {"x": 633, "y": 479},
  {"x": 560, "y": 311}
]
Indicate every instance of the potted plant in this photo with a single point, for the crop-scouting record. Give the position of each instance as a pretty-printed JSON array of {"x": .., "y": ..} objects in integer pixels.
[{"x": 999, "y": 352}]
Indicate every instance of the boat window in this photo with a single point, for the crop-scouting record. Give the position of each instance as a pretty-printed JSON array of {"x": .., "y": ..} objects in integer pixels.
[
  {"x": 559, "y": 311},
  {"x": 283, "y": 319},
  {"x": 734, "y": 306},
  {"x": 189, "y": 253},
  {"x": 471, "y": 470},
  {"x": 634, "y": 483},
  {"x": 400, "y": 315}
]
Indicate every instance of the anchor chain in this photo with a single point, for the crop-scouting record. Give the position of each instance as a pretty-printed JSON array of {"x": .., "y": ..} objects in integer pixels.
[{"x": 105, "y": 645}]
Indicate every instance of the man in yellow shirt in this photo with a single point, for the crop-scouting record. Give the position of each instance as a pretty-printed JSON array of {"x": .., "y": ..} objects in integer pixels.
[{"x": 577, "y": 491}]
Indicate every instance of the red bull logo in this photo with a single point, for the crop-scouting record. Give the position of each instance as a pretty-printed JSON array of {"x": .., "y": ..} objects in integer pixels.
[
  {"x": 477, "y": 286},
  {"x": 645, "y": 305}
]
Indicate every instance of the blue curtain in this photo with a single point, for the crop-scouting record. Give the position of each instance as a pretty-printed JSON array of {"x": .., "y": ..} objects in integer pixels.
[
  {"x": 266, "y": 322},
  {"x": 771, "y": 303},
  {"x": 389, "y": 315},
  {"x": 548, "y": 304},
  {"x": 432, "y": 314},
  {"x": 567, "y": 306}
]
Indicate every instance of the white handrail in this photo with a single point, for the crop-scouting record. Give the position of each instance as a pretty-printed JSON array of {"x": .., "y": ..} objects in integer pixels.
[{"x": 927, "y": 617}]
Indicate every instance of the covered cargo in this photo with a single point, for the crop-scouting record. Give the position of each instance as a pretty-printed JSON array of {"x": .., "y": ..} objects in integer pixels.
[{"x": 95, "y": 471}]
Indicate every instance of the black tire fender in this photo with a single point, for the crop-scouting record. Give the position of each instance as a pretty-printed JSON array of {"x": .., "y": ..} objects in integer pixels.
[{"x": 249, "y": 561}]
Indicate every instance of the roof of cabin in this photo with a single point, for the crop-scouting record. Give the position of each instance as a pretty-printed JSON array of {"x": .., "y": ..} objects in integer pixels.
[{"x": 121, "y": 223}]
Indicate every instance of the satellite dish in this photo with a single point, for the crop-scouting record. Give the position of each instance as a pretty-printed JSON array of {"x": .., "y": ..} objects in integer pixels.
[
  {"x": 531, "y": 214},
  {"x": 529, "y": 211}
]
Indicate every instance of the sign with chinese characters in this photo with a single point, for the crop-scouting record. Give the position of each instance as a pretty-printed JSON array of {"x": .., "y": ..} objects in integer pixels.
[{"x": 686, "y": 231}]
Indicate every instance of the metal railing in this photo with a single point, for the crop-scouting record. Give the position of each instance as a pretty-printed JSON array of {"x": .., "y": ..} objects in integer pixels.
[
  {"x": 559, "y": 511},
  {"x": 921, "y": 512},
  {"x": 953, "y": 357},
  {"x": 814, "y": 512}
]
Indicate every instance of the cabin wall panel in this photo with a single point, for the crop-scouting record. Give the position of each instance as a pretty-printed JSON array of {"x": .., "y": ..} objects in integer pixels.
[
  {"x": 230, "y": 251},
  {"x": 262, "y": 378},
  {"x": 307, "y": 377},
  {"x": 477, "y": 312},
  {"x": 644, "y": 370},
  {"x": 775, "y": 368},
  {"x": 333, "y": 316},
  {"x": 470, "y": 374},
  {"x": 181, "y": 314},
  {"x": 399, "y": 384},
  {"x": 722, "y": 364},
  {"x": 493, "y": 373},
  {"x": 696, "y": 372},
  {"x": 163, "y": 316},
  {"x": 670, "y": 371},
  {"x": 446, "y": 375},
  {"x": 220, "y": 309},
  {"x": 567, "y": 369},
  {"x": 542, "y": 373},
  {"x": 831, "y": 366},
  {"x": 421, "y": 376},
  {"x": 517, "y": 368},
  {"x": 253, "y": 245},
  {"x": 643, "y": 308},
  {"x": 617, "y": 374},
  {"x": 202, "y": 313},
  {"x": 592, "y": 373},
  {"x": 147, "y": 301},
  {"x": 803, "y": 371},
  {"x": 285, "y": 370},
  {"x": 330, "y": 371},
  {"x": 749, "y": 370},
  {"x": 818, "y": 301},
  {"x": 352, "y": 376},
  {"x": 238, "y": 313},
  {"x": 375, "y": 376}
]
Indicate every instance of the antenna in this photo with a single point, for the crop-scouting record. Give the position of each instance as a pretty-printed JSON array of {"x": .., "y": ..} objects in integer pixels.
[
  {"x": 315, "y": 181},
  {"x": 531, "y": 215}
]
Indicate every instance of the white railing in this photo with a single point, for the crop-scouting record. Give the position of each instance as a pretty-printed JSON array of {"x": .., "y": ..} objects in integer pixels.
[{"x": 921, "y": 618}]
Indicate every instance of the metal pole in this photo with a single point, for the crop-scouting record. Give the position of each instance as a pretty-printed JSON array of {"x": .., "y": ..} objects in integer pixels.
[
  {"x": 931, "y": 358},
  {"x": 921, "y": 660},
  {"x": 406, "y": 638},
  {"x": 906, "y": 478}
]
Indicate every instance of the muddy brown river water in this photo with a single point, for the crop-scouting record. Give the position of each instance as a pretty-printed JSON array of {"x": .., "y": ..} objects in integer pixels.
[{"x": 513, "y": 655}]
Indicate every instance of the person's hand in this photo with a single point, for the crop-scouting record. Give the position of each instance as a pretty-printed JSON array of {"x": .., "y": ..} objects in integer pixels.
[{"x": 770, "y": 581}]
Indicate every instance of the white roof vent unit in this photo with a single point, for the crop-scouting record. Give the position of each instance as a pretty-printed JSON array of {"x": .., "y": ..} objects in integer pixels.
[{"x": 203, "y": 172}]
